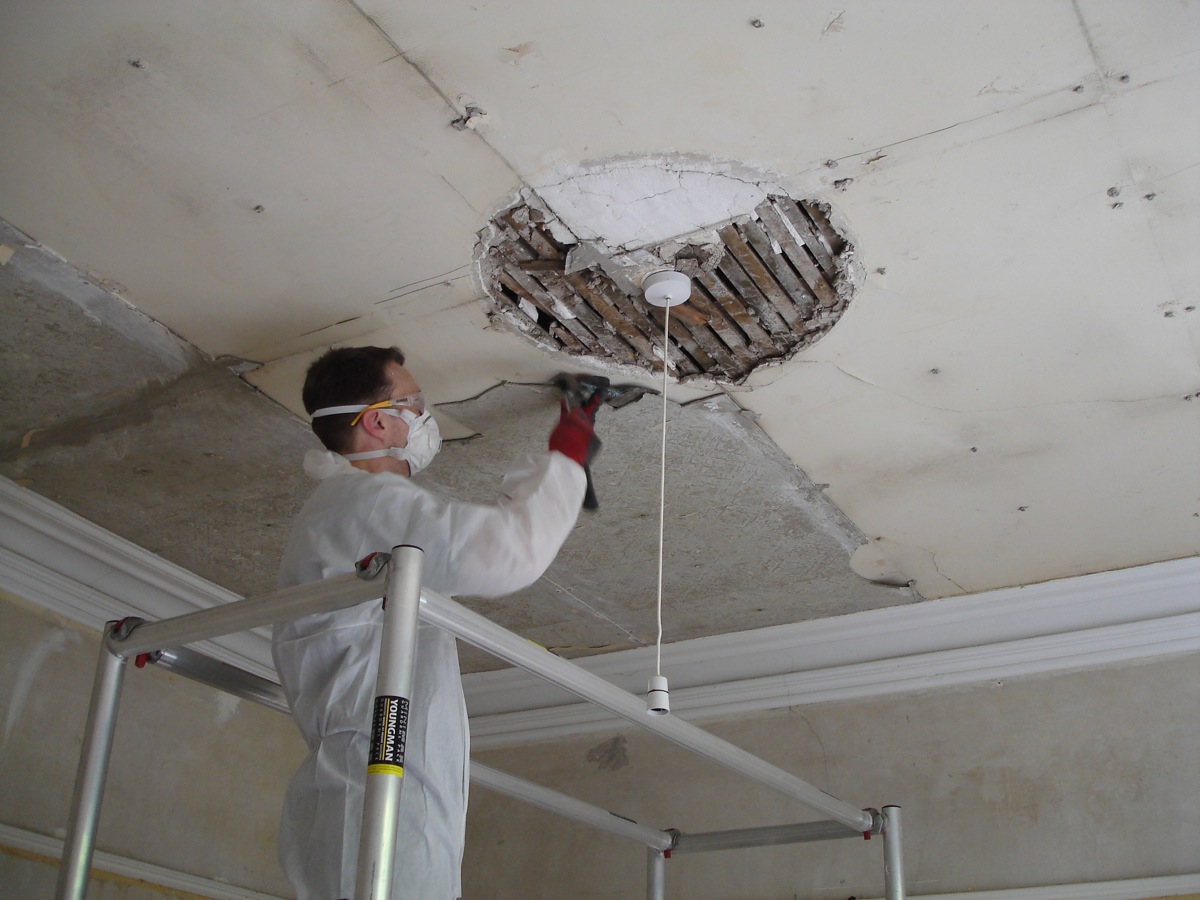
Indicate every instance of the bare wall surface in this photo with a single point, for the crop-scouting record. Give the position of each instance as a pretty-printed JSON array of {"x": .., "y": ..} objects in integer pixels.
[
  {"x": 1083, "y": 777},
  {"x": 196, "y": 779}
]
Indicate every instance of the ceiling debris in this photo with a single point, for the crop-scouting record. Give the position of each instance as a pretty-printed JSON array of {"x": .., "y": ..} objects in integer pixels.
[
  {"x": 763, "y": 286},
  {"x": 470, "y": 118}
]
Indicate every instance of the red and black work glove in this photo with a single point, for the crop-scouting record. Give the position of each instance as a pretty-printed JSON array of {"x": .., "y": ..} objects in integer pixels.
[
  {"x": 575, "y": 437},
  {"x": 575, "y": 432}
]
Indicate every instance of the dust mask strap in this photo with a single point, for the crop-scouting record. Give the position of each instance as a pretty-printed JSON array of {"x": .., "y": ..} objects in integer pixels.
[{"x": 424, "y": 441}]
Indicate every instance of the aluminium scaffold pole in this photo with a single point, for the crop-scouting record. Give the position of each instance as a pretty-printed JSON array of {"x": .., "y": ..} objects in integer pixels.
[
  {"x": 568, "y": 807},
  {"x": 893, "y": 854},
  {"x": 329, "y": 595},
  {"x": 479, "y": 631},
  {"x": 656, "y": 878},
  {"x": 389, "y": 726},
  {"x": 766, "y": 836},
  {"x": 93, "y": 768}
]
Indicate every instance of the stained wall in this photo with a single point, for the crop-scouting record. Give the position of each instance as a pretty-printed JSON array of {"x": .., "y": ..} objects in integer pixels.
[
  {"x": 196, "y": 780},
  {"x": 1088, "y": 776}
]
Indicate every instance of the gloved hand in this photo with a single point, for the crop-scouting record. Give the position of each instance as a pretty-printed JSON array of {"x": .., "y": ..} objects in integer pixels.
[
  {"x": 575, "y": 434},
  {"x": 582, "y": 396}
]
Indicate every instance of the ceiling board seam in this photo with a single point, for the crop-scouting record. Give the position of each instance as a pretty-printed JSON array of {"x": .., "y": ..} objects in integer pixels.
[
  {"x": 1091, "y": 44},
  {"x": 450, "y": 104}
]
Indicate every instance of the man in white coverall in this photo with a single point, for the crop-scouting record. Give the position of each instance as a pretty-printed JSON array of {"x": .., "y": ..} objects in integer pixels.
[{"x": 368, "y": 411}]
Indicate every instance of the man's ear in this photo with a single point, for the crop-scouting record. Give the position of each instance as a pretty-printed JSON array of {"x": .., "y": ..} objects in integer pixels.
[{"x": 372, "y": 422}]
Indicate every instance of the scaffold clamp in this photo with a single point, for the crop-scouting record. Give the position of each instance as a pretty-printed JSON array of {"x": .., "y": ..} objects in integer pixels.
[{"x": 371, "y": 565}]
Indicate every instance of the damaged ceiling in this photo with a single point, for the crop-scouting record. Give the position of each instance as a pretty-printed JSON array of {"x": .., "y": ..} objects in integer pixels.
[
  {"x": 762, "y": 287},
  {"x": 1001, "y": 269}
]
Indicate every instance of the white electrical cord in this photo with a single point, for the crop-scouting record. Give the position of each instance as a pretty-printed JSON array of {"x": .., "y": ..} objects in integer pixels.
[
  {"x": 662, "y": 488},
  {"x": 663, "y": 289}
]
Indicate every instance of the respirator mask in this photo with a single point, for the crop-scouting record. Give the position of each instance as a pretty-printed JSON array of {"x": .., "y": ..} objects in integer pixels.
[{"x": 424, "y": 437}]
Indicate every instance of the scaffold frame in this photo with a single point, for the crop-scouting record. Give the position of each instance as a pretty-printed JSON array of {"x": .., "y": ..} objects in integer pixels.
[{"x": 163, "y": 643}]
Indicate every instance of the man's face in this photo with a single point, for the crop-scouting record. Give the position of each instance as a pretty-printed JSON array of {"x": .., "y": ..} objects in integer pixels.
[{"x": 403, "y": 384}]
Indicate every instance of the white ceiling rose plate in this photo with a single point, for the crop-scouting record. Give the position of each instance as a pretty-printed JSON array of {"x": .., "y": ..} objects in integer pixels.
[{"x": 666, "y": 288}]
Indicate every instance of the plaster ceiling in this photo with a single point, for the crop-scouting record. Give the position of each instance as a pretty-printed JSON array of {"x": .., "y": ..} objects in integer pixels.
[{"x": 1011, "y": 396}]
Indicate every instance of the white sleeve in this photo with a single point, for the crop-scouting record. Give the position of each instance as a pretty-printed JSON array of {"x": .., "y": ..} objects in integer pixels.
[{"x": 495, "y": 549}]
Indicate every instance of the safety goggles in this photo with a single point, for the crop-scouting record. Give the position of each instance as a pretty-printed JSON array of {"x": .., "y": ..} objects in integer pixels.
[{"x": 413, "y": 403}]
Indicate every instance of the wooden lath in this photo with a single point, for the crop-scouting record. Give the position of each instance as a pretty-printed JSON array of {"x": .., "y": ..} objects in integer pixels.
[{"x": 773, "y": 290}]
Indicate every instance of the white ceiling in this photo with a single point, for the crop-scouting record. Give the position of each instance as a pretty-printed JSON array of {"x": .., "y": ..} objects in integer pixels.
[{"x": 1013, "y": 396}]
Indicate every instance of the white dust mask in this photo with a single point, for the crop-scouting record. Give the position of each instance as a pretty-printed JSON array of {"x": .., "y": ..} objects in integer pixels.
[{"x": 424, "y": 441}]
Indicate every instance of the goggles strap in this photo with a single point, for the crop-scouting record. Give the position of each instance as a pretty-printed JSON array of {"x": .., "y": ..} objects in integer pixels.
[
  {"x": 360, "y": 408},
  {"x": 336, "y": 410}
]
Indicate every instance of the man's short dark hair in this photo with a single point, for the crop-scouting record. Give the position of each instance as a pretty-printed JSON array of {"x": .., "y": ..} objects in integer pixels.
[{"x": 342, "y": 377}]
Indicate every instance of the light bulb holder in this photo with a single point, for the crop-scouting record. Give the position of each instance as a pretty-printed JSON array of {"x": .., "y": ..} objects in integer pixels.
[
  {"x": 666, "y": 287},
  {"x": 658, "y": 696}
]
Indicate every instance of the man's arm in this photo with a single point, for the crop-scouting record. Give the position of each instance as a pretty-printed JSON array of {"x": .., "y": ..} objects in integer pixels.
[{"x": 536, "y": 510}]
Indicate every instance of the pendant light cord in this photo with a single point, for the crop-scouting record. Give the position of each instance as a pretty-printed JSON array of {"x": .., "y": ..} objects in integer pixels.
[{"x": 662, "y": 488}]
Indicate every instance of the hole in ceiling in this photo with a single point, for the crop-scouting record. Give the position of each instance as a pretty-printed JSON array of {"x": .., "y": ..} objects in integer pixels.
[{"x": 764, "y": 286}]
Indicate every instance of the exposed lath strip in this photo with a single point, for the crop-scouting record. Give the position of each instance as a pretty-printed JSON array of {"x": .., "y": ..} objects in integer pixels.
[{"x": 777, "y": 282}]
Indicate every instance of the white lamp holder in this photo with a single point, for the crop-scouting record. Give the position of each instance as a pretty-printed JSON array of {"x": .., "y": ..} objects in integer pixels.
[{"x": 658, "y": 696}]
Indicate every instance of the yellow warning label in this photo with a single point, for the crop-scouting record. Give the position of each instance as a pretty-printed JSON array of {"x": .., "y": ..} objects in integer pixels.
[{"x": 383, "y": 769}]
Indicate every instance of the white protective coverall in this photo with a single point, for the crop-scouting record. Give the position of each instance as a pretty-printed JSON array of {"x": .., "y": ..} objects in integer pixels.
[{"x": 327, "y": 662}]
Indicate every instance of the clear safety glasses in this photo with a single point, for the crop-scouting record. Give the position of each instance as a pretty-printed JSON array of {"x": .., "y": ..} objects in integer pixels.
[{"x": 414, "y": 403}]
